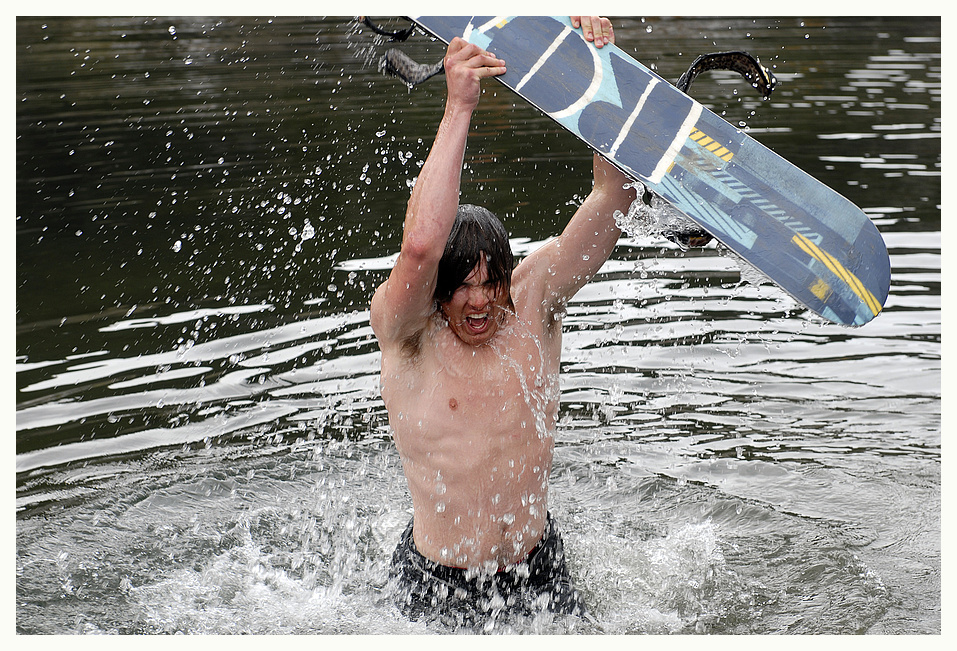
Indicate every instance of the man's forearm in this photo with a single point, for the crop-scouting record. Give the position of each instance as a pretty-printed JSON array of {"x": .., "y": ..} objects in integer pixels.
[
  {"x": 611, "y": 181},
  {"x": 435, "y": 197}
]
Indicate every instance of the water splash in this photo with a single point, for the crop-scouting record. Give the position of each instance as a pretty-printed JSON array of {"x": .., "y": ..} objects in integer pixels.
[
  {"x": 651, "y": 216},
  {"x": 308, "y": 232},
  {"x": 540, "y": 388}
]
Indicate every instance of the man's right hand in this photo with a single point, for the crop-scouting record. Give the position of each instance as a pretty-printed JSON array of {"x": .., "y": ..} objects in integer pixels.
[{"x": 466, "y": 64}]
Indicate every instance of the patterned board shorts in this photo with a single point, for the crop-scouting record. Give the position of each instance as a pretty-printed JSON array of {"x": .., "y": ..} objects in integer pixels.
[{"x": 425, "y": 589}]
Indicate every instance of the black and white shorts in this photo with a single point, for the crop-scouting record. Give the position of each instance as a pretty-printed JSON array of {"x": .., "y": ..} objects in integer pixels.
[{"x": 469, "y": 597}]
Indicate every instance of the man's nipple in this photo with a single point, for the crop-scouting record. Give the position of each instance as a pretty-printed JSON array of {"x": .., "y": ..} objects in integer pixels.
[{"x": 453, "y": 404}]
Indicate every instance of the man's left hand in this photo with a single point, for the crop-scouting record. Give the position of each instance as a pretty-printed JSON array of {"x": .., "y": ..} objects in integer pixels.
[{"x": 595, "y": 28}]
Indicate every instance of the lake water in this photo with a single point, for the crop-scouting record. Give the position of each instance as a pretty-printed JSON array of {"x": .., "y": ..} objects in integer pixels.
[{"x": 204, "y": 207}]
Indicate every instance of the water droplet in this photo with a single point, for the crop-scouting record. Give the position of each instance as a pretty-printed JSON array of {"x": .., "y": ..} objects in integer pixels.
[{"x": 308, "y": 231}]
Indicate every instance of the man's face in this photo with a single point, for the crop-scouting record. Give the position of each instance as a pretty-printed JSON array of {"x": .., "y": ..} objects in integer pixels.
[{"x": 477, "y": 308}]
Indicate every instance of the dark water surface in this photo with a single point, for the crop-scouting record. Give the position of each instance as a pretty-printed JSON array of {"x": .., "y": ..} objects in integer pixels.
[{"x": 204, "y": 207}]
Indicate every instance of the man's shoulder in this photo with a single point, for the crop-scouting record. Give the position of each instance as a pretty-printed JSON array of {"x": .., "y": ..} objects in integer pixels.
[
  {"x": 392, "y": 329},
  {"x": 530, "y": 288}
]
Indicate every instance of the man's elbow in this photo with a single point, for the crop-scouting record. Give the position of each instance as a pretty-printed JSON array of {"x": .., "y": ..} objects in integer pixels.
[{"x": 421, "y": 251}]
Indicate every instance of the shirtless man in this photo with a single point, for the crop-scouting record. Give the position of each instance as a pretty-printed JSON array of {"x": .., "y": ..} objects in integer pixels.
[{"x": 470, "y": 361}]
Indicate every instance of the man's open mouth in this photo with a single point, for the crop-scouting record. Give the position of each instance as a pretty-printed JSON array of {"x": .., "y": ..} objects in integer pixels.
[{"x": 477, "y": 322}]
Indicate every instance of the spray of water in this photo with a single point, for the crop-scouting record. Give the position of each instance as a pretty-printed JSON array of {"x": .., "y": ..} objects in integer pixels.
[{"x": 651, "y": 216}]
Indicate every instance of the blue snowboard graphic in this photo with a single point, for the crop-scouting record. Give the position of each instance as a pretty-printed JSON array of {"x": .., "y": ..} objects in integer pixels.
[{"x": 810, "y": 241}]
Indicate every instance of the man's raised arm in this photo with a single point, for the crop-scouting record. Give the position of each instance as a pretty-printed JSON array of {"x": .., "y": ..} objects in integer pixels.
[
  {"x": 403, "y": 303},
  {"x": 566, "y": 263}
]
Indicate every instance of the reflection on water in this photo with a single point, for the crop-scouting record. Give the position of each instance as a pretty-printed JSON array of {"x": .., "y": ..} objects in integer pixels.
[{"x": 204, "y": 207}]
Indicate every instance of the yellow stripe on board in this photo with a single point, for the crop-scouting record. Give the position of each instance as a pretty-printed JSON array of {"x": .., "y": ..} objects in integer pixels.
[
  {"x": 850, "y": 279},
  {"x": 711, "y": 145}
]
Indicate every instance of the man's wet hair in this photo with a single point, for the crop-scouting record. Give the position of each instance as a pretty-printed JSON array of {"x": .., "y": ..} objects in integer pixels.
[{"x": 476, "y": 231}]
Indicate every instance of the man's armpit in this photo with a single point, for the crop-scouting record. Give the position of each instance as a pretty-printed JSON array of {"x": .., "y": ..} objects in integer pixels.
[{"x": 412, "y": 345}]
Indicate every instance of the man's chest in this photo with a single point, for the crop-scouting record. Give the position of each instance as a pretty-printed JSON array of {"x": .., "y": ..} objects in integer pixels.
[{"x": 509, "y": 378}]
